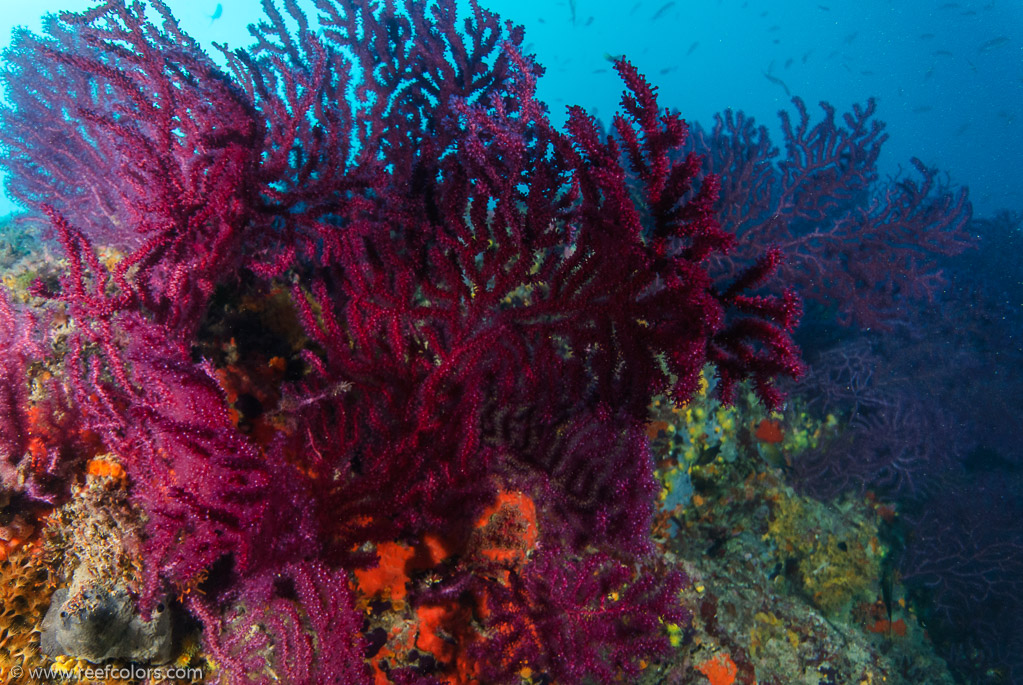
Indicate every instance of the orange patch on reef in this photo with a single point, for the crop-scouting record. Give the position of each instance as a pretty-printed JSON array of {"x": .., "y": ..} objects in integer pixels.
[
  {"x": 432, "y": 550},
  {"x": 507, "y": 531},
  {"x": 104, "y": 469},
  {"x": 444, "y": 632},
  {"x": 654, "y": 428},
  {"x": 37, "y": 448},
  {"x": 389, "y": 577},
  {"x": 769, "y": 431},
  {"x": 884, "y": 626},
  {"x": 720, "y": 670}
]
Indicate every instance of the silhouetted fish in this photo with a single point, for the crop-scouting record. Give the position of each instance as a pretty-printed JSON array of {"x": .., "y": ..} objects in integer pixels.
[
  {"x": 692, "y": 48},
  {"x": 993, "y": 43},
  {"x": 921, "y": 109},
  {"x": 778, "y": 82},
  {"x": 660, "y": 13},
  {"x": 926, "y": 36},
  {"x": 217, "y": 13},
  {"x": 824, "y": 7}
]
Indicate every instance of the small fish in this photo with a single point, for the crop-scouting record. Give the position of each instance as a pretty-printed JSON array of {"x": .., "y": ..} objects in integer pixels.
[
  {"x": 774, "y": 28},
  {"x": 634, "y": 8},
  {"x": 660, "y": 13},
  {"x": 788, "y": 63},
  {"x": 217, "y": 13},
  {"x": 848, "y": 40},
  {"x": 962, "y": 129},
  {"x": 806, "y": 56},
  {"x": 993, "y": 43},
  {"x": 613, "y": 58},
  {"x": 929, "y": 74},
  {"x": 600, "y": 71},
  {"x": 867, "y": 72},
  {"x": 824, "y": 8},
  {"x": 589, "y": 21},
  {"x": 926, "y": 36},
  {"x": 778, "y": 82},
  {"x": 692, "y": 48},
  {"x": 943, "y": 53},
  {"x": 948, "y": 6},
  {"x": 571, "y": 9},
  {"x": 968, "y": 13},
  {"x": 921, "y": 109}
]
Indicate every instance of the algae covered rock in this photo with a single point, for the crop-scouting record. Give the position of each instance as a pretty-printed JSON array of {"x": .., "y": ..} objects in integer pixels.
[
  {"x": 97, "y": 626},
  {"x": 93, "y": 543}
]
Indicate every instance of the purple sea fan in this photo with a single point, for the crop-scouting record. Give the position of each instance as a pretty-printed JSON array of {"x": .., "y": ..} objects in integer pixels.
[
  {"x": 295, "y": 623},
  {"x": 903, "y": 448},
  {"x": 469, "y": 279},
  {"x": 19, "y": 347},
  {"x": 576, "y": 620},
  {"x": 849, "y": 241},
  {"x": 523, "y": 281},
  {"x": 964, "y": 561},
  {"x": 134, "y": 135}
]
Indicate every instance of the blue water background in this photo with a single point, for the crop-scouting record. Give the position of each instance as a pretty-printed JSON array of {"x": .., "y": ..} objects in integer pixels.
[{"x": 948, "y": 76}]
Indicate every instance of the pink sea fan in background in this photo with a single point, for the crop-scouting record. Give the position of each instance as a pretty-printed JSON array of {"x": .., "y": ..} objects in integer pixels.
[{"x": 866, "y": 247}]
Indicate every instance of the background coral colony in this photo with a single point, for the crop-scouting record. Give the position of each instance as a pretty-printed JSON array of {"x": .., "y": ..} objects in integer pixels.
[{"x": 279, "y": 325}]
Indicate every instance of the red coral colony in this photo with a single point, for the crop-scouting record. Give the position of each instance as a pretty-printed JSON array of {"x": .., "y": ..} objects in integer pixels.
[{"x": 368, "y": 335}]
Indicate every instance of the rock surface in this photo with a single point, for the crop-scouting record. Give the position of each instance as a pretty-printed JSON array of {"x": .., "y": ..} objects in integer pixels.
[{"x": 100, "y": 625}]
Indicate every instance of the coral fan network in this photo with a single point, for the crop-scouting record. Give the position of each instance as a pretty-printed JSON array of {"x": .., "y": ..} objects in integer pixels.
[{"x": 413, "y": 254}]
